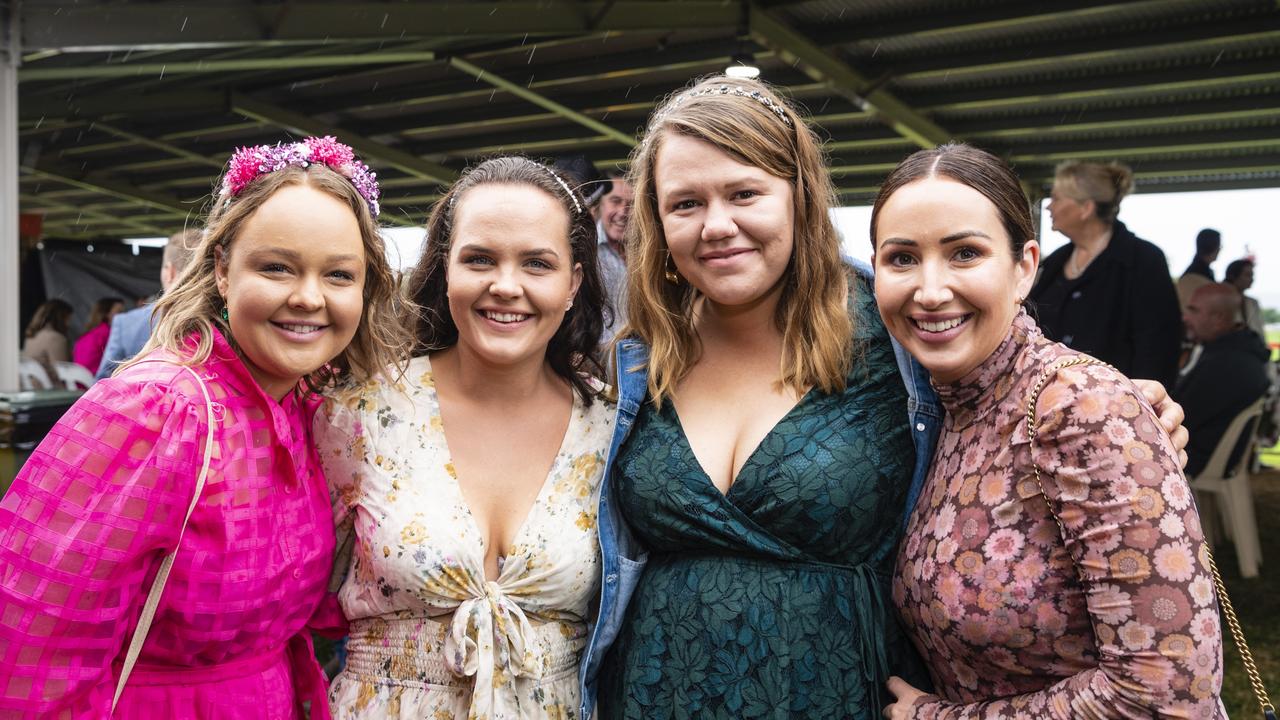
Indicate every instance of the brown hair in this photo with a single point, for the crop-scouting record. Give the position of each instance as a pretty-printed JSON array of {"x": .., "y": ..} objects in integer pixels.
[
  {"x": 812, "y": 312},
  {"x": 101, "y": 311},
  {"x": 54, "y": 314},
  {"x": 573, "y": 349},
  {"x": 1106, "y": 185},
  {"x": 193, "y": 305},
  {"x": 974, "y": 168}
]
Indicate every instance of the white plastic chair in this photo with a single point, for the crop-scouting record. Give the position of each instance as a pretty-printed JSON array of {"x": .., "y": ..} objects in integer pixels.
[
  {"x": 1230, "y": 489},
  {"x": 74, "y": 375},
  {"x": 32, "y": 376}
]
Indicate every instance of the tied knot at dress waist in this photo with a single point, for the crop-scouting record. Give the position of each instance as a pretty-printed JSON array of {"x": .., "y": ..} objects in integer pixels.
[{"x": 488, "y": 639}]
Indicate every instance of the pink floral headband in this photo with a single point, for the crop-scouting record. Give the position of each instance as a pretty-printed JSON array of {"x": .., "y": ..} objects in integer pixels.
[{"x": 250, "y": 163}]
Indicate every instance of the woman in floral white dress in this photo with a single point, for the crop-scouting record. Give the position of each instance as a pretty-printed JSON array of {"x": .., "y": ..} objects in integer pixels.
[{"x": 474, "y": 565}]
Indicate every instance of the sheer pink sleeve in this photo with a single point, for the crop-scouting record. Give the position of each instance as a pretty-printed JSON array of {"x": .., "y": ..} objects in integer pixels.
[
  {"x": 1131, "y": 526},
  {"x": 82, "y": 533}
]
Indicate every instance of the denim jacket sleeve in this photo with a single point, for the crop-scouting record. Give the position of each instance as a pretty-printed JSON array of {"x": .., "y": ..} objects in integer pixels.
[{"x": 622, "y": 558}]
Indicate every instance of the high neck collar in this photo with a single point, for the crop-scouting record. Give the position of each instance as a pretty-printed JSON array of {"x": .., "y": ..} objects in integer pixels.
[{"x": 970, "y": 398}]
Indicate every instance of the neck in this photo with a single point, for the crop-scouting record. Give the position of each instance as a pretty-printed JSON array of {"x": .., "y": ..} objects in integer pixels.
[
  {"x": 744, "y": 326},
  {"x": 1092, "y": 238},
  {"x": 484, "y": 381},
  {"x": 618, "y": 247}
]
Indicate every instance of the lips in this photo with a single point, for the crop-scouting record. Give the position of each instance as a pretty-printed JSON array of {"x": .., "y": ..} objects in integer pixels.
[
  {"x": 728, "y": 255},
  {"x": 938, "y": 326},
  {"x": 300, "y": 330},
  {"x": 504, "y": 318}
]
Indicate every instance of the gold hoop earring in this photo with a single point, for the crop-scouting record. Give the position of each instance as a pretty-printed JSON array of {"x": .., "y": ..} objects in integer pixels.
[{"x": 669, "y": 271}]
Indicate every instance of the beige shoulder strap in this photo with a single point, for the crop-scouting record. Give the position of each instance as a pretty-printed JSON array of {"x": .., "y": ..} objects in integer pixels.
[{"x": 157, "y": 587}]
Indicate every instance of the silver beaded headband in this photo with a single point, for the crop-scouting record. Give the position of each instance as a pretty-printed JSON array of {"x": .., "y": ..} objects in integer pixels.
[
  {"x": 577, "y": 206},
  {"x": 756, "y": 95},
  {"x": 572, "y": 195}
]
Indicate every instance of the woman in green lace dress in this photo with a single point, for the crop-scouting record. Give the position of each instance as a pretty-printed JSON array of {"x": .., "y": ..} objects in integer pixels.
[{"x": 771, "y": 458}]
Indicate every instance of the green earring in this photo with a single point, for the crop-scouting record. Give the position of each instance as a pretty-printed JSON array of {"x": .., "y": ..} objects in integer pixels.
[{"x": 226, "y": 316}]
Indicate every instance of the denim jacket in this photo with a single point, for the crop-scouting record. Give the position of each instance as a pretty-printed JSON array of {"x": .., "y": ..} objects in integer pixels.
[{"x": 623, "y": 558}]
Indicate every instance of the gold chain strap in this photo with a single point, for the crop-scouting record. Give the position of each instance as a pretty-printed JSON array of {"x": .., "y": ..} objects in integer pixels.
[{"x": 1233, "y": 623}]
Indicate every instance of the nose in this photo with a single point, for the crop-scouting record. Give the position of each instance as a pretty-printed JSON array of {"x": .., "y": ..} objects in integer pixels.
[
  {"x": 506, "y": 285},
  {"x": 307, "y": 294},
  {"x": 717, "y": 223},
  {"x": 934, "y": 290}
]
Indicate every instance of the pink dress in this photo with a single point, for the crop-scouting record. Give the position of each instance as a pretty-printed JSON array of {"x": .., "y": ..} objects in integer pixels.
[
  {"x": 90, "y": 347},
  {"x": 95, "y": 509}
]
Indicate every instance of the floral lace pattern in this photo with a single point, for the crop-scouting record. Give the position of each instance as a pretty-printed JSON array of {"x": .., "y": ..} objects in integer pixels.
[
  {"x": 449, "y": 643},
  {"x": 991, "y": 590}
]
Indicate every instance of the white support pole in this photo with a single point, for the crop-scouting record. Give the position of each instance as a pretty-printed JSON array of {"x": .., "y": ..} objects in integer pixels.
[{"x": 10, "y": 335}]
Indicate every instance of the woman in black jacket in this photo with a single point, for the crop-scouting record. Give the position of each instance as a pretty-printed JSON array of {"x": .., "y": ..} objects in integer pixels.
[{"x": 1109, "y": 292}]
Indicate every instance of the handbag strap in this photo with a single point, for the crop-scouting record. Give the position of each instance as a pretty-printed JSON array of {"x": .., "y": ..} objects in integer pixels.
[
  {"x": 162, "y": 576},
  {"x": 1251, "y": 669}
]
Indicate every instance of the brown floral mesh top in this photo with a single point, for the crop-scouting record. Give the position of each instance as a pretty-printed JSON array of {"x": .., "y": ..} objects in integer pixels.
[{"x": 988, "y": 585}]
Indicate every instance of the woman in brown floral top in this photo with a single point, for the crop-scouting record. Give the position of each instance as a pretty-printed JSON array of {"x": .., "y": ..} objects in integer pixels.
[{"x": 1113, "y": 615}]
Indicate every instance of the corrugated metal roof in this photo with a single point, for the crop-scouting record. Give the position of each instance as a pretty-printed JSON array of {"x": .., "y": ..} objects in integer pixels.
[{"x": 129, "y": 109}]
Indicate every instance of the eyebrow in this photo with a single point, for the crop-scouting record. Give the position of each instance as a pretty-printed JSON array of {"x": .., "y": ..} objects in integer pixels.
[
  {"x": 295, "y": 256},
  {"x": 535, "y": 252},
  {"x": 948, "y": 239}
]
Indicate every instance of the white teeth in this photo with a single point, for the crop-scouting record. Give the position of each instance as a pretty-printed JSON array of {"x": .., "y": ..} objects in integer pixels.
[
  {"x": 504, "y": 317},
  {"x": 304, "y": 329},
  {"x": 941, "y": 326}
]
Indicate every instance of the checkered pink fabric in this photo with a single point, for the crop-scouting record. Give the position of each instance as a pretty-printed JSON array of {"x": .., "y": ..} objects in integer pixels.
[{"x": 95, "y": 509}]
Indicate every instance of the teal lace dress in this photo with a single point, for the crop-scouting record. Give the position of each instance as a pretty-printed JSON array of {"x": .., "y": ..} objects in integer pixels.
[{"x": 773, "y": 600}]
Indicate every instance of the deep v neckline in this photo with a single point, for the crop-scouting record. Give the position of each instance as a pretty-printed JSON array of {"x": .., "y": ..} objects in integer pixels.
[
  {"x": 751, "y": 456},
  {"x": 538, "y": 500}
]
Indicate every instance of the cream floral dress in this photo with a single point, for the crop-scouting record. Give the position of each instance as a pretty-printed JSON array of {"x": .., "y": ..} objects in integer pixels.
[{"x": 430, "y": 637}]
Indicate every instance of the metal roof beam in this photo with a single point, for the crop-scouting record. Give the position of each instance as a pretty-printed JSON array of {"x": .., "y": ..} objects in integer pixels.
[
  {"x": 1008, "y": 16},
  {"x": 1051, "y": 57},
  {"x": 101, "y": 27},
  {"x": 1111, "y": 86},
  {"x": 369, "y": 150},
  {"x": 108, "y": 185},
  {"x": 106, "y": 103},
  {"x": 134, "y": 70},
  {"x": 541, "y": 101},
  {"x": 36, "y": 203},
  {"x": 843, "y": 79}
]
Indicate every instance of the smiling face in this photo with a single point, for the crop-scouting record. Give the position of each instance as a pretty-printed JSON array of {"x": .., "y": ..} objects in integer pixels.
[
  {"x": 293, "y": 282},
  {"x": 615, "y": 210},
  {"x": 947, "y": 283},
  {"x": 511, "y": 273},
  {"x": 729, "y": 226}
]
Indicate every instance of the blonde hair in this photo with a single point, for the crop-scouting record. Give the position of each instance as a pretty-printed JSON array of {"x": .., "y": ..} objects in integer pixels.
[
  {"x": 193, "y": 305},
  {"x": 1106, "y": 185},
  {"x": 812, "y": 313}
]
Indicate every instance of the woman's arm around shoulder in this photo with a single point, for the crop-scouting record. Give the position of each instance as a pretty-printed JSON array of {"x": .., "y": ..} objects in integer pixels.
[{"x": 82, "y": 531}]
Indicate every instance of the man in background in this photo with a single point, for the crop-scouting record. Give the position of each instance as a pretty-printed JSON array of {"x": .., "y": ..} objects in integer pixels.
[
  {"x": 1208, "y": 245},
  {"x": 131, "y": 330},
  {"x": 611, "y": 229},
  {"x": 1228, "y": 374}
]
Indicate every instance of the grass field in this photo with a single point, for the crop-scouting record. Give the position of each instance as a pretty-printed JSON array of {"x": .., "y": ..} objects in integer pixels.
[{"x": 1257, "y": 602}]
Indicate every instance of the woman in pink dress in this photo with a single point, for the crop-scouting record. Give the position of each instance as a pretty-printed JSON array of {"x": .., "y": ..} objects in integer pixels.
[
  {"x": 1084, "y": 590},
  {"x": 288, "y": 293},
  {"x": 89, "y": 348}
]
